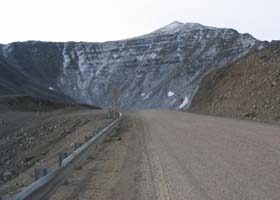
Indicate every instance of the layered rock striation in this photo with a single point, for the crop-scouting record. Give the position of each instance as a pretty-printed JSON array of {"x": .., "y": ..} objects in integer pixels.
[{"x": 145, "y": 69}]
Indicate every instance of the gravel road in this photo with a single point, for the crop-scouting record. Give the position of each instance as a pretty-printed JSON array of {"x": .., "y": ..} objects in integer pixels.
[{"x": 173, "y": 155}]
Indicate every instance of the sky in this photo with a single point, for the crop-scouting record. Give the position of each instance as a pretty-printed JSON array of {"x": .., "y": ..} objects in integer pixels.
[{"x": 107, "y": 20}]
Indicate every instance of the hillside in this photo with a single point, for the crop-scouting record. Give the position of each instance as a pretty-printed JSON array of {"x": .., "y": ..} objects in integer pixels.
[
  {"x": 145, "y": 69},
  {"x": 248, "y": 88},
  {"x": 15, "y": 80}
]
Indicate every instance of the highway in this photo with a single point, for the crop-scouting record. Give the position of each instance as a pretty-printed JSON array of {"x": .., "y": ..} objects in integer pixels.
[{"x": 172, "y": 155}]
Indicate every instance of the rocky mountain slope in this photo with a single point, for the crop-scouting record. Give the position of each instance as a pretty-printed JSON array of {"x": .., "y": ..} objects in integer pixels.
[
  {"x": 151, "y": 71},
  {"x": 248, "y": 88},
  {"x": 21, "y": 80}
]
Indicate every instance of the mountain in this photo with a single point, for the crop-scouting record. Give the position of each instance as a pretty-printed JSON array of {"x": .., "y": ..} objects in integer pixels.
[
  {"x": 249, "y": 88},
  {"x": 155, "y": 70},
  {"x": 20, "y": 77}
]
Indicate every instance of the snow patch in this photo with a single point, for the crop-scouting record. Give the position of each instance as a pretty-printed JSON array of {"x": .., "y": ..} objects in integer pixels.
[
  {"x": 184, "y": 103},
  {"x": 51, "y": 88},
  {"x": 153, "y": 55},
  {"x": 171, "y": 28},
  {"x": 146, "y": 96},
  {"x": 170, "y": 94}
]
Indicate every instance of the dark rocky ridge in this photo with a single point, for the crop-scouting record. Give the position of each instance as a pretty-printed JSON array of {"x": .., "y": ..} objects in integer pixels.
[
  {"x": 144, "y": 69},
  {"x": 22, "y": 79}
]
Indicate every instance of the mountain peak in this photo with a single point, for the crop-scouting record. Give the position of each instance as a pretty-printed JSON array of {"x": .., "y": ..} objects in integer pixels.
[
  {"x": 178, "y": 26},
  {"x": 175, "y": 23},
  {"x": 171, "y": 28}
]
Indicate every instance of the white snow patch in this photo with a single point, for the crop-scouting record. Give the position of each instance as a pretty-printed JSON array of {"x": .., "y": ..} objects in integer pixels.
[
  {"x": 184, "y": 103},
  {"x": 171, "y": 28},
  {"x": 170, "y": 94},
  {"x": 153, "y": 55},
  {"x": 146, "y": 96},
  {"x": 51, "y": 88}
]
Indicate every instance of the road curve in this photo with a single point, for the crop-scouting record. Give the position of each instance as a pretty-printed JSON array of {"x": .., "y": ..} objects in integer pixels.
[
  {"x": 201, "y": 157},
  {"x": 170, "y": 155}
]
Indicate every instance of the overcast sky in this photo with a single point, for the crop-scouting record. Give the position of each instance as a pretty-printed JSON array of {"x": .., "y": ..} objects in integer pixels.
[{"x": 103, "y": 20}]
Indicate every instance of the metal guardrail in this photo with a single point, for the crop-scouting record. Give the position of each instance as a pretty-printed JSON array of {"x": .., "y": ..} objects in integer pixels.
[{"x": 44, "y": 187}]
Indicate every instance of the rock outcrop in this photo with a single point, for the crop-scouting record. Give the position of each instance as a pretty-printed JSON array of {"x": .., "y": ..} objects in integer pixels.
[{"x": 145, "y": 69}]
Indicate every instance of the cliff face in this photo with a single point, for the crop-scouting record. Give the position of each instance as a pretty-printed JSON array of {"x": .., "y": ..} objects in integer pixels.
[
  {"x": 150, "y": 71},
  {"x": 248, "y": 88}
]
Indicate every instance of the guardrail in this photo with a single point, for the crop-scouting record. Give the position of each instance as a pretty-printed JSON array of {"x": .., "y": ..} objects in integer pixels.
[{"x": 44, "y": 187}]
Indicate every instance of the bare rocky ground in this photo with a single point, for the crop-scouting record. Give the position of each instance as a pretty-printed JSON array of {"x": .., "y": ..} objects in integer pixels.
[
  {"x": 30, "y": 139},
  {"x": 247, "y": 89}
]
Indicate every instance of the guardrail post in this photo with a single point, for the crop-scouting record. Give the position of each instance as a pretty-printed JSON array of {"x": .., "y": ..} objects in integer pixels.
[
  {"x": 87, "y": 138},
  {"x": 40, "y": 172},
  {"x": 77, "y": 145},
  {"x": 95, "y": 131},
  {"x": 109, "y": 114},
  {"x": 62, "y": 155},
  {"x": 112, "y": 114}
]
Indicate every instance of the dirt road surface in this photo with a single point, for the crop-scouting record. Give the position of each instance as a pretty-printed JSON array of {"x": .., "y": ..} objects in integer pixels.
[{"x": 171, "y": 155}]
